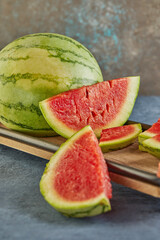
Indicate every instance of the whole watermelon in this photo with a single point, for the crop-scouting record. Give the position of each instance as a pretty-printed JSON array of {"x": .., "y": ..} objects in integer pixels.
[{"x": 36, "y": 67}]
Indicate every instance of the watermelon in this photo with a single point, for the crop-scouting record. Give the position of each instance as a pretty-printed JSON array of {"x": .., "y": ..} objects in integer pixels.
[
  {"x": 151, "y": 145},
  {"x": 36, "y": 67},
  {"x": 151, "y": 132},
  {"x": 76, "y": 180},
  {"x": 102, "y": 105},
  {"x": 119, "y": 137}
]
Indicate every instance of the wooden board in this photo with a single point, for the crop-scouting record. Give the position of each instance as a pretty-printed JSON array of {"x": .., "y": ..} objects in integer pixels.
[{"x": 130, "y": 157}]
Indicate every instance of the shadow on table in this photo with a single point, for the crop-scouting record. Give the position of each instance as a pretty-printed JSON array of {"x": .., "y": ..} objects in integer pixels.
[
  {"x": 128, "y": 206},
  {"x": 21, "y": 193}
]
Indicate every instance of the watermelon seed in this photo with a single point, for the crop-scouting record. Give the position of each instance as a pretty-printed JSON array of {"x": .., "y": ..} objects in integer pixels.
[
  {"x": 93, "y": 114},
  {"x": 103, "y": 114},
  {"x": 87, "y": 93},
  {"x": 107, "y": 107}
]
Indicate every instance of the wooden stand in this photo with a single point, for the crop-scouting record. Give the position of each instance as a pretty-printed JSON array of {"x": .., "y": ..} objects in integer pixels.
[{"x": 128, "y": 157}]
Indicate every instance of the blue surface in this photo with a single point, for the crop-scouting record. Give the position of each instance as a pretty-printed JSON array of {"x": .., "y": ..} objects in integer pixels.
[
  {"x": 24, "y": 214},
  {"x": 123, "y": 35}
]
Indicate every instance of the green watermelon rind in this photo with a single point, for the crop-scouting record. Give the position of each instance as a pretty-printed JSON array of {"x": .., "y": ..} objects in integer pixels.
[
  {"x": 87, "y": 212},
  {"x": 36, "y": 67},
  {"x": 73, "y": 209},
  {"x": 121, "y": 142},
  {"x": 151, "y": 146},
  {"x": 145, "y": 135},
  {"x": 141, "y": 148},
  {"x": 37, "y": 133},
  {"x": 59, "y": 127}
]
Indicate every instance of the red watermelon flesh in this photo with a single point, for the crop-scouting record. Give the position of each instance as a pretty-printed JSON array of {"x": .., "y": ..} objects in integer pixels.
[
  {"x": 88, "y": 105},
  {"x": 82, "y": 172},
  {"x": 155, "y": 128},
  {"x": 157, "y": 138},
  {"x": 119, "y": 137},
  {"x": 76, "y": 180},
  {"x": 102, "y": 105},
  {"x": 116, "y": 133},
  {"x": 151, "y": 132}
]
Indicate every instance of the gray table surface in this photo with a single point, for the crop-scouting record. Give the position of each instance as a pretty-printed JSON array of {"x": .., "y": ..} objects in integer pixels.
[{"x": 24, "y": 214}]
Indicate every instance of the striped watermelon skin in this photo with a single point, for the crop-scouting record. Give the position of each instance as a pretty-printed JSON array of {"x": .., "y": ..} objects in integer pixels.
[{"x": 36, "y": 67}]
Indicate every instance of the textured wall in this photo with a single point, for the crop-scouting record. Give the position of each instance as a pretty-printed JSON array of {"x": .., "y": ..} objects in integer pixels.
[{"x": 123, "y": 35}]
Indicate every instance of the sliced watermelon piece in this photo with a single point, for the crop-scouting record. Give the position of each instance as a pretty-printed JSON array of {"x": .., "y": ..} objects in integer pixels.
[
  {"x": 76, "y": 180},
  {"x": 119, "y": 137},
  {"x": 151, "y": 145},
  {"x": 103, "y": 105},
  {"x": 151, "y": 132}
]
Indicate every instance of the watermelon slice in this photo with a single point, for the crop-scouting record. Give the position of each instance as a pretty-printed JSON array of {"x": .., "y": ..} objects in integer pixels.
[
  {"x": 151, "y": 132},
  {"x": 119, "y": 137},
  {"x": 151, "y": 145},
  {"x": 76, "y": 180},
  {"x": 102, "y": 105}
]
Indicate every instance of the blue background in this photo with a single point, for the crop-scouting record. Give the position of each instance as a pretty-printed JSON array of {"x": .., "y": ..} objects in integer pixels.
[{"x": 123, "y": 35}]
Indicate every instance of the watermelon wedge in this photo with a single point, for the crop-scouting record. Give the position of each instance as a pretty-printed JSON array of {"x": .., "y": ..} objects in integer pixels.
[
  {"x": 102, "y": 105},
  {"x": 76, "y": 180},
  {"x": 119, "y": 137},
  {"x": 151, "y": 132},
  {"x": 151, "y": 145}
]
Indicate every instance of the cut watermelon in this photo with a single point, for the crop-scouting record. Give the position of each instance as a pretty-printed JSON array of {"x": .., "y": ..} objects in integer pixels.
[
  {"x": 76, "y": 180},
  {"x": 151, "y": 132},
  {"x": 102, "y": 105},
  {"x": 151, "y": 145},
  {"x": 119, "y": 137}
]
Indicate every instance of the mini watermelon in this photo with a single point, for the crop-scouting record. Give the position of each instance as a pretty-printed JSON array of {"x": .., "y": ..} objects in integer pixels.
[
  {"x": 36, "y": 67},
  {"x": 151, "y": 132},
  {"x": 76, "y": 180},
  {"x": 119, "y": 137},
  {"x": 151, "y": 145},
  {"x": 102, "y": 105}
]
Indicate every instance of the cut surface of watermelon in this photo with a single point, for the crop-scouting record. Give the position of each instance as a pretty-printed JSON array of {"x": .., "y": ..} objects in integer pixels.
[
  {"x": 151, "y": 132},
  {"x": 119, "y": 137},
  {"x": 103, "y": 105},
  {"x": 76, "y": 180},
  {"x": 151, "y": 145}
]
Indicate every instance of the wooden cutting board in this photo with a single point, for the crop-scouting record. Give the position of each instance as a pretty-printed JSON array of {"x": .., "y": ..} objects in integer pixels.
[{"x": 128, "y": 166}]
